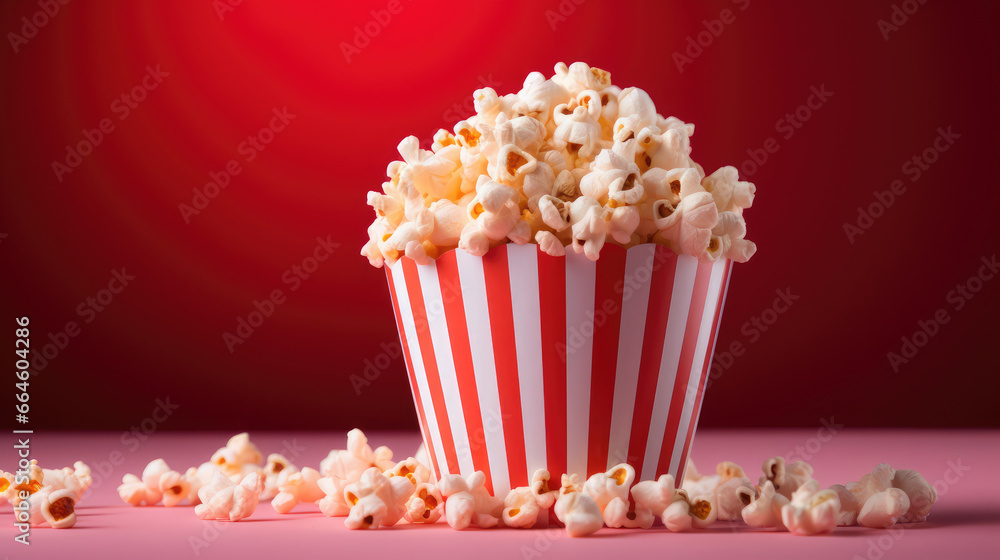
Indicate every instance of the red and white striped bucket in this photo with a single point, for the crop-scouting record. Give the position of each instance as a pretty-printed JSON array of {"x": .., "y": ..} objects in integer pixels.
[{"x": 520, "y": 361}]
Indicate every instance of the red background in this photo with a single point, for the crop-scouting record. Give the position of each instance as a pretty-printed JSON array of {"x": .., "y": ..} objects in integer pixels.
[{"x": 162, "y": 335}]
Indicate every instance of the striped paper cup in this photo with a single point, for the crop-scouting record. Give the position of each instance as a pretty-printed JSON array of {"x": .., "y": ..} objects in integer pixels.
[{"x": 520, "y": 361}]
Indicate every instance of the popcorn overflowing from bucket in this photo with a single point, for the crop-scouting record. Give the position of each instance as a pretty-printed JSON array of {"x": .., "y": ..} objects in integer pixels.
[{"x": 570, "y": 163}]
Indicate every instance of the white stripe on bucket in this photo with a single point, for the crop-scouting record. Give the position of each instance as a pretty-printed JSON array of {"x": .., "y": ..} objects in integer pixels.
[
  {"x": 635, "y": 300},
  {"x": 581, "y": 279},
  {"x": 477, "y": 311},
  {"x": 522, "y": 263}
]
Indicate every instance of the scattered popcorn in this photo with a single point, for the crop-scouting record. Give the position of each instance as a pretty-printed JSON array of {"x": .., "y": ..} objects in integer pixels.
[
  {"x": 57, "y": 508},
  {"x": 468, "y": 502},
  {"x": 621, "y": 513},
  {"x": 657, "y": 495},
  {"x": 884, "y": 497},
  {"x": 350, "y": 463},
  {"x": 520, "y": 508},
  {"x": 579, "y": 513},
  {"x": 237, "y": 455},
  {"x": 426, "y": 504},
  {"x": 921, "y": 494},
  {"x": 175, "y": 487},
  {"x": 883, "y": 509},
  {"x": 335, "y": 503},
  {"x": 224, "y": 499},
  {"x": 811, "y": 511},
  {"x": 624, "y": 172},
  {"x": 765, "y": 510},
  {"x": 412, "y": 469},
  {"x": 32, "y": 485},
  {"x": 687, "y": 513},
  {"x": 606, "y": 486},
  {"x": 377, "y": 500},
  {"x": 276, "y": 473},
  {"x": 146, "y": 490},
  {"x": 786, "y": 478},
  {"x": 299, "y": 487}
]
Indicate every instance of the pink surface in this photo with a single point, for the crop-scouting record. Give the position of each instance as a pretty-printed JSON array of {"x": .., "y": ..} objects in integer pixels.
[{"x": 963, "y": 524}]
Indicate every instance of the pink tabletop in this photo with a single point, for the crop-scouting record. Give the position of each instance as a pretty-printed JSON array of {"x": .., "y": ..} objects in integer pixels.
[{"x": 961, "y": 464}]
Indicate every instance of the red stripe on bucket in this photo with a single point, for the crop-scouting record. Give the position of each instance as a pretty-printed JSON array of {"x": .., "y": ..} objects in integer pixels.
[
  {"x": 497, "y": 275},
  {"x": 552, "y": 303},
  {"x": 660, "y": 288},
  {"x": 607, "y": 320}
]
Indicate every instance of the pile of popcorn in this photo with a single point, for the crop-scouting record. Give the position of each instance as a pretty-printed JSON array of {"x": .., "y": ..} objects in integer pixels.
[
  {"x": 45, "y": 497},
  {"x": 371, "y": 490},
  {"x": 567, "y": 161}
]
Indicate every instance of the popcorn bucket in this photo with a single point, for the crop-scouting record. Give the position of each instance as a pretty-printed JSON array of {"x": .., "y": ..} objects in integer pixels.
[{"x": 519, "y": 360}]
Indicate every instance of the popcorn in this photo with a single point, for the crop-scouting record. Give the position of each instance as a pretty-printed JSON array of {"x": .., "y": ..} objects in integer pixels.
[
  {"x": 145, "y": 491},
  {"x": 656, "y": 495},
  {"x": 57, "y": 507},
  {"x": 299, "y": 487},
  {"x": 606, "y": 486},
  {"x": 237, "y": 453},
  {"x": 545, "y": 495},
  {"x": 224, "y": 499},
  {"x": 687, "y": 513},
  {"x": 786, "y": 478},
  {"x": 921, "y": 494},
  {"x": 883, "y": 509},
  {"x": 579, "y": 513},
  {"x": 377, "y": 500},
  {"x": 76, "y": 479},
  {"x": 884, "y": 497},
  {"x": 619, "y": 513},
  {"x": 576, "y": 138},
  {"x": 520, "y": 508},
  {"x": 730, "y": 194},
  {"x": 411, "y": 469},
  {"x": 276, "y": 473},
  {"x": 335, "y": 503},
  {"x": 350, "y": 463},
  {"x": 765, "y": 511},
  {"x": 426, "y": 504},
  {"x": 468, "y": 501},
  {"x": 811, "y": 511},
  {"x": 175, "y": 487},
  {"x": 33, "y": 484}
]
